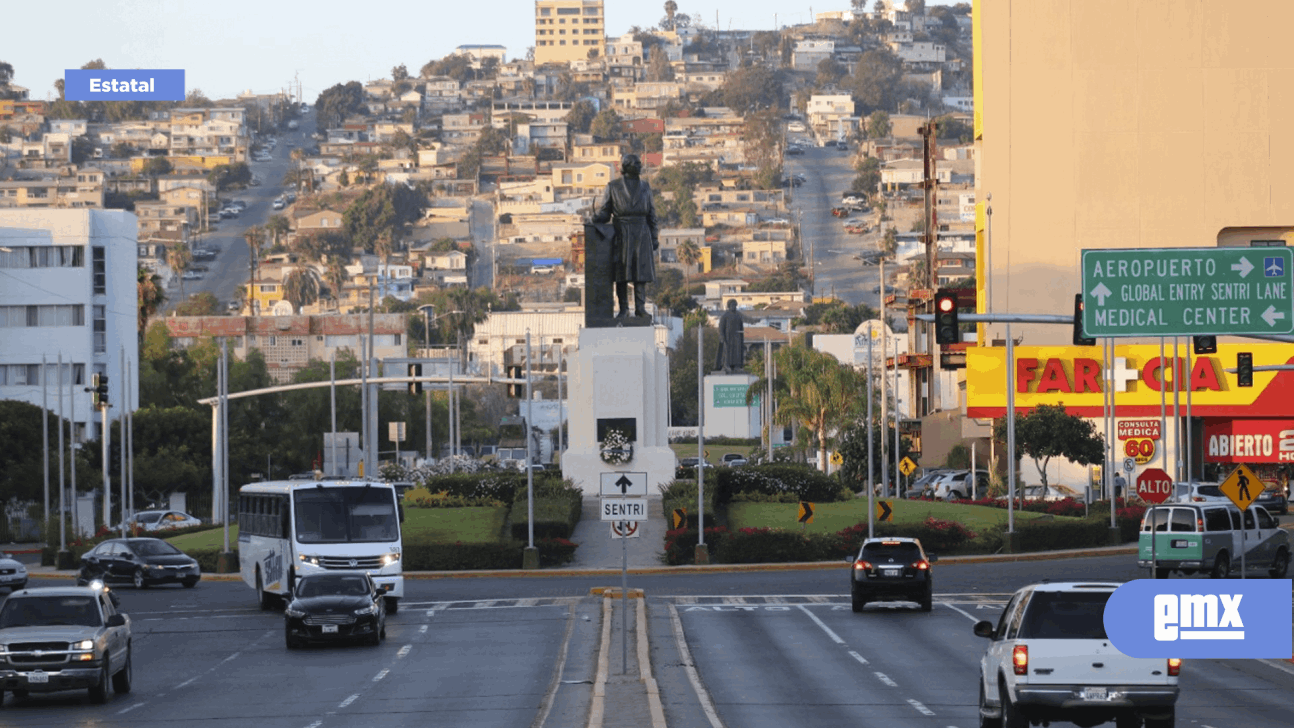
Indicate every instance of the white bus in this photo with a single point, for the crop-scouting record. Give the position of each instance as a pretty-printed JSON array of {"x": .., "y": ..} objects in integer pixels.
[{"x": 290, "y": 528}]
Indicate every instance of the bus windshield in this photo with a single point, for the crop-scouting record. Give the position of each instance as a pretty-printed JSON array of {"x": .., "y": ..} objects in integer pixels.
[{"x": 346, "y": 515}]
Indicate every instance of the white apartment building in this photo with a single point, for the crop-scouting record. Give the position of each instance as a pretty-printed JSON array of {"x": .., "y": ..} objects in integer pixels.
[{"x": 68, "y": 289}]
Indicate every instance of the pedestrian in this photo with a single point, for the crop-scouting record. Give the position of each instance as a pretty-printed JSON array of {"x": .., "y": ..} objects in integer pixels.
[{"x": 1119, "y": 485}]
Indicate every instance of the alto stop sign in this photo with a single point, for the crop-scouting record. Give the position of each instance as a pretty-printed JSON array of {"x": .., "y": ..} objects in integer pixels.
[{"x": 1154, "y": 485}]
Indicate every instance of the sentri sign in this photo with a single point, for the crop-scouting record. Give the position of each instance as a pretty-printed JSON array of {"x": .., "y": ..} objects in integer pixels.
[{"x": 1072, "y": 376}]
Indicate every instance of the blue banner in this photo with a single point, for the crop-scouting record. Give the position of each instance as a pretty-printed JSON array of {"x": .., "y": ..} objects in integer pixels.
[
  {"x": 150, "y": 84},
  {"x": 1216, "y": 619}
]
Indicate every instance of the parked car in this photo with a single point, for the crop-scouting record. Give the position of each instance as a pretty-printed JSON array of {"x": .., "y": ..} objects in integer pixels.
[
  {"x": 64, "y": 638},
  {"x": 158, "y": 520},
  {"x": 733, "y": 460},
  {"x": 891, "y": 570},
  {"x": 332, "y": 606},
  {"x": 13, "y": 573},
  {"x": 1049, "y": 660},
  {"x": 1273, "y": 499},
  {"x": 143, "y": 562},
  {"x": 278, "y": 203},
  {"x": 957, "y": 486},
  {"x": 1199, "y": 493},
  {"x": 690, "y": 463},
  {"x": 924, "y": 485},
  {"x": 796, "y": 126},
  {"x": 792, "y": 149}
]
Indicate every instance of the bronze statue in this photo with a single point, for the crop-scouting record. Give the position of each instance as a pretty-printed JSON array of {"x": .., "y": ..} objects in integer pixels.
[
  {"x": 732, "y": 340},
  {"x": 627, "y": 205}
]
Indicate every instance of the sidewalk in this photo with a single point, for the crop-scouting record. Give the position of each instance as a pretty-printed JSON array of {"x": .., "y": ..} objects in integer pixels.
[{"x": 598, "y": 550}]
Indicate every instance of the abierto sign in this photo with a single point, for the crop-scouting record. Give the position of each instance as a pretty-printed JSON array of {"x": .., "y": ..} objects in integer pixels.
[{"x": 1249, "y": 441}]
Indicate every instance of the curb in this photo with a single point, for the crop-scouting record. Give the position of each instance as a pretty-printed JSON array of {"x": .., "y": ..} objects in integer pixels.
[{"x": 695, "y": 569}]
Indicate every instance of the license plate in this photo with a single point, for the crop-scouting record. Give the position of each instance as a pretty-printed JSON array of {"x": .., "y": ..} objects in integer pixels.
[
  {"x": 1093, "y": 694},
  {"x": 329, "y": 628},
  {"x": 891, "y": 572},
  {"x": 37, "y": 678}
]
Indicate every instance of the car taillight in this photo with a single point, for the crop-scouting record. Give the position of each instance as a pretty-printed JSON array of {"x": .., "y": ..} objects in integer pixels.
[
  {"x": 1174, "y": 666},
  {"x": 863, "y": 565},
  {"x": 921, "y": 565},
  {"x": 1199, "y": 525},
  {"x": 1020, "y": 659},
  {"x": 1197, "y": 499}
]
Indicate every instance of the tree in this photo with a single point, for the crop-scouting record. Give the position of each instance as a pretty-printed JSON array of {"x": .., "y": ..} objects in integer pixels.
[
  {"x": 1048, "y": 431},
  {"x": 338, "y": 102},
  {"x": 148, "y": 286},
  {"x": 399, "y": 73},
  {"x": 179, "y": 258},
  {"x": 21, "y": 451},
  {"x": 830, "y": 72},
  {"x": 671, "y": 7},
  {"x": 157, "y": 166},
  {"x": 336, "y": 276},
  {"x": 278, "y": 226},
  {"x": 606, "y": 125},
  {"x": 689, "y": 254},
  {"x": 682, "y": 371},
  {"x": 122, "y": 150},
  {"x": 868, "y": 180},
  {"x": 658, "y": 66},
  {"x": 878, "y": 125},
  {"x": 580, "y": 116},
  {"x": 204, "y": 303},
  {"x": 876, "y": 79},
  {"x": 821, "y": 394},
  {"x": 301, "y": 288},
  {"x": 752, "y": 88}
]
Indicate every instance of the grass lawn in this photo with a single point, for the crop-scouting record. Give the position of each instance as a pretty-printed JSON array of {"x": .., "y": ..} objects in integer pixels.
[
  {"x": 481, "y": 524},
  {"x": 833, "y": 517}
]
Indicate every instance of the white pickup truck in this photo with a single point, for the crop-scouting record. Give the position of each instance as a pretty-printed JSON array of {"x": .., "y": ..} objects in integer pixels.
[{"x": 1049, "y": 660}]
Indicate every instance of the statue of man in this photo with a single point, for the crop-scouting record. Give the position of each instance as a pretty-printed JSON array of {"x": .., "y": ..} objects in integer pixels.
[
  {"x": 627, "y": 204},
  {"x": 732, "y": 339}
]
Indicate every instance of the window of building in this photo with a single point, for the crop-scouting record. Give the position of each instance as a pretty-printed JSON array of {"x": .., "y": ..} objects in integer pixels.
[
  {"x": 100, "y": 329},
  {"x": 100, "y": 270},
  {"x": 1266, "y": 243}
]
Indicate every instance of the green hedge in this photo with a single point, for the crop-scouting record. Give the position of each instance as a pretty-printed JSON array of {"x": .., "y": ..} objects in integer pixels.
[
  {"x": 501, "y": 485},
  {"x": 803, "y": 482},
  {"x": 680, "y": 544},
  {"x": 682, "y": 494},
  {"x": 427, "y": 556},
  {"x": 558, "y": 506}
]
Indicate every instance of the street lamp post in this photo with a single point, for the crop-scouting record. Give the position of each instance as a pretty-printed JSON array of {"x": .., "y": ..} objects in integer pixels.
[{"x": 427, "y": 318}]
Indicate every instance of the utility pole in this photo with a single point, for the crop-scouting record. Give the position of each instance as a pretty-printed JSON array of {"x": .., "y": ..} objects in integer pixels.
[{"x": 930, "y": 183}]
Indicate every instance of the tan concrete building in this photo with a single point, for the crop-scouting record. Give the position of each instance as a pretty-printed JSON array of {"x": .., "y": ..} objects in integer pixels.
[
  {"x": 569, "y": 30},
  {"x": 1159, "y": 126}
]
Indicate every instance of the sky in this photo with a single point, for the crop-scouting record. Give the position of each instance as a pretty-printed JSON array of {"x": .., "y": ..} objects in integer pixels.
[{"x": 231, "y": 46}]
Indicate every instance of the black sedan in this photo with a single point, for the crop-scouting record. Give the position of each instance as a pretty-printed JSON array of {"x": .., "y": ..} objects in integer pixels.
[
  {"x": 337, "y": 605},
  {"x": 891, "y": 570},
  {"x": 143, "y": 562}
]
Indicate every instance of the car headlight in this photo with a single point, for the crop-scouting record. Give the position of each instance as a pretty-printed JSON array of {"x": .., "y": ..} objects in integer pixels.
[
  {"x": 370, "y": 609},
  {"x": 83, "y": 645},
  {"x": 312, "y": 560},
  {"x": 96, "y": 585},
  {"x": 391, "y": 558},
  {"x": 294, "y": 613},
  {"x": 22, "y": 569}
]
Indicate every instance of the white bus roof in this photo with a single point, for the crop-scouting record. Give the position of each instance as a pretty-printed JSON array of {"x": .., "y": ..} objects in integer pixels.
[{"x": 287, "y": 486}]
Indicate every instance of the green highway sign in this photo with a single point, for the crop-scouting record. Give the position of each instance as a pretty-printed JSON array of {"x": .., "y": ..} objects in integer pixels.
[{"x": 1188, "y": 291}]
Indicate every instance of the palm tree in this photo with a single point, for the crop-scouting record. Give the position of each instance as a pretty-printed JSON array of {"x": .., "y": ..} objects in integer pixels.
[
  {"x": 278, "y": 225},
  {"x": 689, "y": 255},
  {"x": 671, "y": 7},
  {"x": 150, "y": 294},
  {"x": 336, "y": 276},
  {"x": 814, "y": 391},
  {"x": 301, "y": 288},
  {"x": 240, "y": 296},
  {"x": 178, "y": 258}
]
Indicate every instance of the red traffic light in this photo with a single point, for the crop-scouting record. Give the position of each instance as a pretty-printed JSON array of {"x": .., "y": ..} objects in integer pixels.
[{"x": 947, "y": 304}]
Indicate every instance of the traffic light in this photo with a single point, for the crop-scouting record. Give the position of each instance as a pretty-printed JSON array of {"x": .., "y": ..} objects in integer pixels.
[
  {"x": 947, "y": 330},
  {"x": 1079, "y": 338},
  {"x": 516, "y": 390},
  {"x": 1244, "y": 369},
  {"x": 1205, "y": 344},
  {"x": 415, "y": 387},
  {"x": 99, "y": 390}
]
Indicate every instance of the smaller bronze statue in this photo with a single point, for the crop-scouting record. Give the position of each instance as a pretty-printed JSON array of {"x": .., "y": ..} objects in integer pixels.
[
  {"x": 627, "y": 204},
  {"x": 732, "y": 340}
]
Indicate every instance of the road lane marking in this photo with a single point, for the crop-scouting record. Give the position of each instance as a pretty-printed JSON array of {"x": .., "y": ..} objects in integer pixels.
[
  {"x": 598, "y": 704},
  {"x": 858, "y": 657},
  {"x": 920, "y": 708},
  {"x": 130, "y": 708},
  {"x": 404, "y": 651},
  {"x": 315, "y": 724},
  {"x": 186, "y": 682},
  {"x": 685, "y": 657},
  {"x": 962, "y": 612},
  {"x": 834, "y": 637},
  {"x": 886, "y": 679},
  {"x": 546, "y": 705},
  {"x": 654, "y": 706},
  {"x": 422, "y": 629},
  {"x": 381, "y": 674},
  {"x": 349, "y": 700}
]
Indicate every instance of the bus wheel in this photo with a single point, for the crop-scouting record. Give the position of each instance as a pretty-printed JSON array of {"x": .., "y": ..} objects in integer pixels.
[{"x": 267, "y": 599}]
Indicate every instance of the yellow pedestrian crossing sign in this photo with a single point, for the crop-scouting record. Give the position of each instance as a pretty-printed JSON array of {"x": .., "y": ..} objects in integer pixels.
[
  {"x": 906, "y": 466},
  {"x": 1242, "y": 487},
  {"x": 837, "y": 459}
]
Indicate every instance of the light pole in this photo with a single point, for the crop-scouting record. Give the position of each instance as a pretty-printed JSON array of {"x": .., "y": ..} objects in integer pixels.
[{"x": 427, "y": 317}]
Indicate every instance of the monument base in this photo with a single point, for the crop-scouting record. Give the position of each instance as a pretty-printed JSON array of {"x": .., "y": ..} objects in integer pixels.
[{"x": 584, "y": 466}]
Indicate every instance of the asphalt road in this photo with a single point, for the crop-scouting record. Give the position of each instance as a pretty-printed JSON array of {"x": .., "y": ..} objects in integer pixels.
[
  {"x": 837, "y": 271},
  {"x": 230, "y": 268},
  {"x": 769, "y": 649}
]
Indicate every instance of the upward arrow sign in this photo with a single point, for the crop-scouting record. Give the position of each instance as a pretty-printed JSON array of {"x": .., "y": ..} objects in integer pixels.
[
  {"x": 623, "y": 484},
  {"x": 1101, "y": 292}
]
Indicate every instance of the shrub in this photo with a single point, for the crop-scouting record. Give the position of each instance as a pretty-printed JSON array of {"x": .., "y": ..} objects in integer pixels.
[
  {"x": 1050, "y": 535},
  {"x": 558, "y": 505},
  {"x": 422, "y": 498},
  {"x": 680, "y": 544},
  {"x": 427, "y": 556},
  {"x": 802, "y": 481},
  {"x": 769, "y": 545},
  {"x": 682, "y": 494},
  {"x": 555, "y": 551},
  {"x": 500, "y": 485}
]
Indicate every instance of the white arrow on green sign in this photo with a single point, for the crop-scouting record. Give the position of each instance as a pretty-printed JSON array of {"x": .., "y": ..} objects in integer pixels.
[{"x": 1188, "y": 291}]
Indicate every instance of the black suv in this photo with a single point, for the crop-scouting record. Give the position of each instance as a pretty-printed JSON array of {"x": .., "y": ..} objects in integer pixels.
[{"x": 891, "y": 570}]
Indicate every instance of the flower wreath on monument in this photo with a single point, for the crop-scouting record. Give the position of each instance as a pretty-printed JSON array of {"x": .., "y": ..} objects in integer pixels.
[{"x": 616, "y": 449}]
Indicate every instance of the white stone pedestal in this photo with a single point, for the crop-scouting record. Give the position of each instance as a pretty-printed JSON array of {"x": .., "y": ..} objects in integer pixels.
[
  {"x": 726, "y": 413},
  {"x": 618, "y": 373}
]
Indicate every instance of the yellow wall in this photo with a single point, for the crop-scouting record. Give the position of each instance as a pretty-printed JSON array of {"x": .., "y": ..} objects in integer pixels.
[{"x": 1125, "y": 124}]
